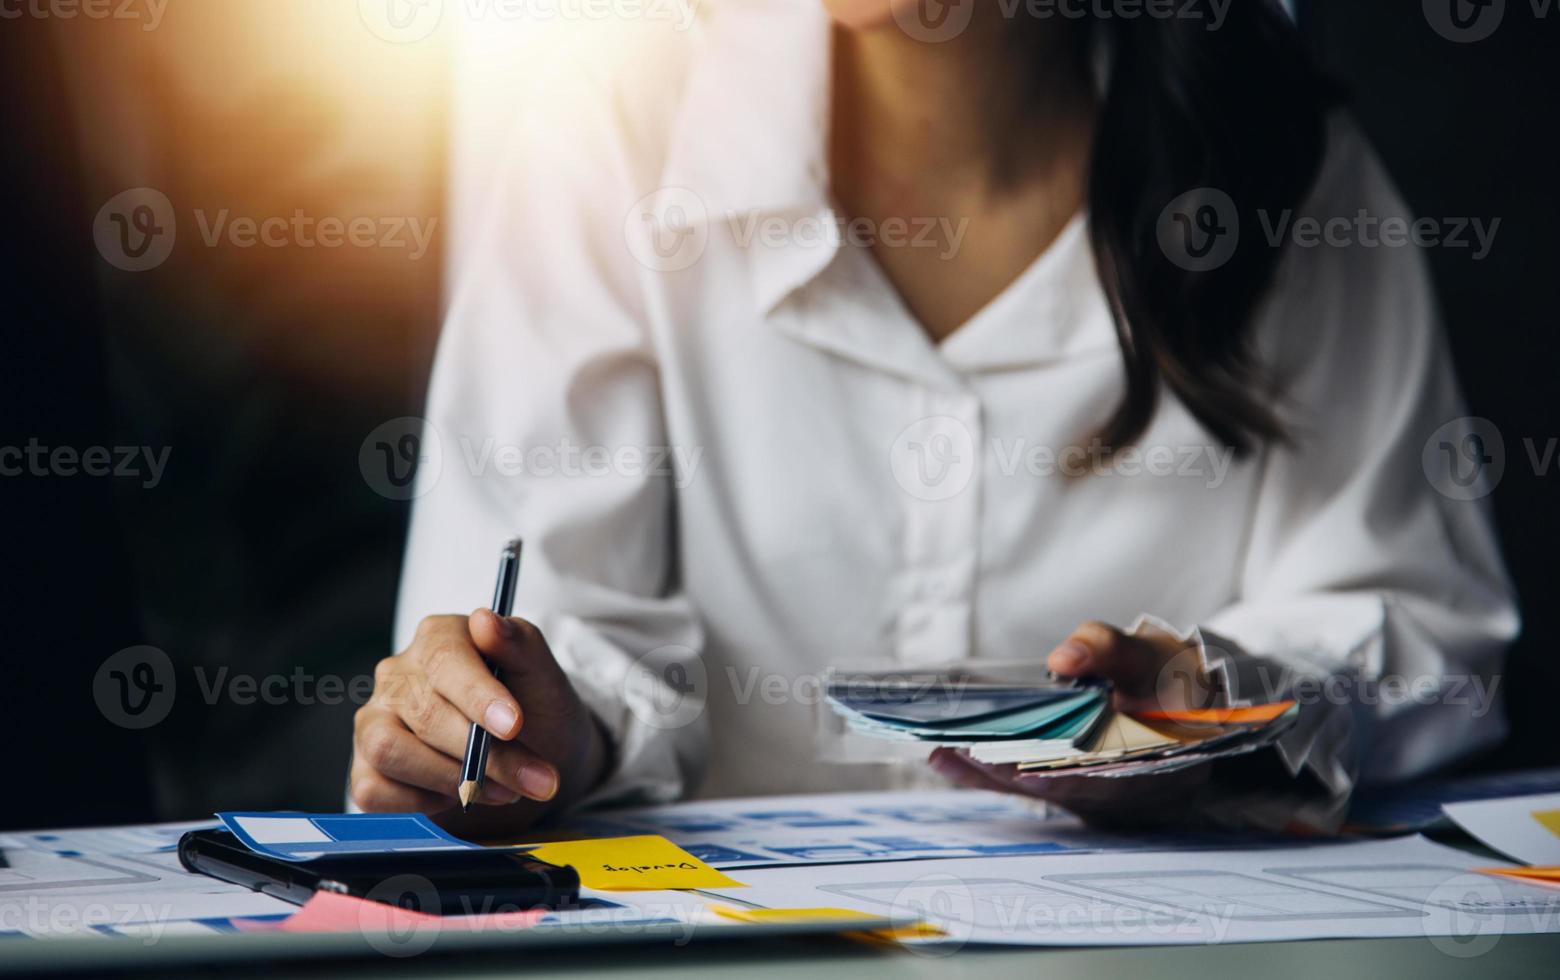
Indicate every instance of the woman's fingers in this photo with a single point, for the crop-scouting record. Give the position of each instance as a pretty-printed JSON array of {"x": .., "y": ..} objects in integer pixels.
[
  {"x": 510, "y": 764},
  {"x": 949, "y": 765},
  {"x": 1130, "y": 802},
  {"x": 395, "y": 752},
  {"x": 375, "y": 793},
  {"x": 459, "y": 673},
  {"x": 520, "y": 651},
  {"x": 1099, "y": 650},
  {"x": 374, "y": 790},
  {"x": 1161, "y": 671},
  {"x": 430, "y": 756},
  {"x": 961, "y": 770},
  {"x": 1150, "y": 801},
  {"x": 412, "y": 734},
  {"x": 1140, "y": 669}
]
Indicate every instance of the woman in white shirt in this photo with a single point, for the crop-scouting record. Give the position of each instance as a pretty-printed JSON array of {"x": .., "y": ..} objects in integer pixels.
[{"x": 833, "y": 333}]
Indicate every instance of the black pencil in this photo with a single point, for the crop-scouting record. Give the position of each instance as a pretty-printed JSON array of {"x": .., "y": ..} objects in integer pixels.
[{"x": 477, "y": 738}]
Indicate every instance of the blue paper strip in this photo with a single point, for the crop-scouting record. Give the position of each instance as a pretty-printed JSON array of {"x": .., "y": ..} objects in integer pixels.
[{"x": 303, "y": 836}]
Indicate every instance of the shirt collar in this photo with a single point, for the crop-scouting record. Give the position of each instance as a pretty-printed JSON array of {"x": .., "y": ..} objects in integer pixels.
[
  {"x": 1055, "y": 309},
  {"x": 751, "y": 140}
]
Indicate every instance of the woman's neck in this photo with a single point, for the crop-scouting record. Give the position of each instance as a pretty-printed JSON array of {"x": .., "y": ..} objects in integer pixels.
[
  {"x": 1000, "y": 107},
  {"x": 988, "y": 133}
]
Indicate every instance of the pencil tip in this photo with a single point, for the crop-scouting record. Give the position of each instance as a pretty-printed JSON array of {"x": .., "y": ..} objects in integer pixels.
[{"x": 467, "y": 792}]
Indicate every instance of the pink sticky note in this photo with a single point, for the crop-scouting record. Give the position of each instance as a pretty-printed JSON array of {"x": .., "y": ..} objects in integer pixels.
[{"x": 327, "y": 912}]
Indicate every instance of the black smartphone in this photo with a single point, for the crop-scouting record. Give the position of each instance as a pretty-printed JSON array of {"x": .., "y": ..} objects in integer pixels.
[{"x": 453, "y": 882}]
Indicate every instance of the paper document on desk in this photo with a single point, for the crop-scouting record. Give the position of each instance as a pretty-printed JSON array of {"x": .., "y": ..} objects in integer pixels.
[
  {"x": 1526, "y": 828},
  {"x": 825, "y": 828},
  {"x": 144, "y": 895},
  {"x": 136, "y": 839},
  {"x": 1400, "y": 888}
]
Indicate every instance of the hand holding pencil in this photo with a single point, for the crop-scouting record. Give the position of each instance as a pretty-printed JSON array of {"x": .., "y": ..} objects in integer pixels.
[{"x": 475, "y": 711}]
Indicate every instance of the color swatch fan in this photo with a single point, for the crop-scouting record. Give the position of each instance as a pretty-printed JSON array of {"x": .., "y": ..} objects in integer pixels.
[{"x": 1046, "y": 728}]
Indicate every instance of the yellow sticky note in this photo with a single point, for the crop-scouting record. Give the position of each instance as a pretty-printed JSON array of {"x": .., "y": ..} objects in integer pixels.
[
  {"x": 633, "y": 864},
  {"x": 788, "y": 915},
  {"x": 1549, "y": 819},
  {"x": 914, "y": 930}
]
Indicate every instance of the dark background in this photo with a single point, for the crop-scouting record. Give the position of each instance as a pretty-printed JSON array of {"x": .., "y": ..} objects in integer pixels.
[
  {"x": 1473, "y": 129},
  {"x": 265, "y": 550}
]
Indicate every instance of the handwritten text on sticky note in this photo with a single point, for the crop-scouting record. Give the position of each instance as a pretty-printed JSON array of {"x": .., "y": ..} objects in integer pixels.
[{"x": 633, "y": 864}]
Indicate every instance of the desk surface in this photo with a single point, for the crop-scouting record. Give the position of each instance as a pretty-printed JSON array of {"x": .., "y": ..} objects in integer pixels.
[{"x": 797, "y": 959}]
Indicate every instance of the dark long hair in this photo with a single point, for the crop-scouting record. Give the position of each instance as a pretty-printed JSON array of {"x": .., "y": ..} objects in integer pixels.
[{"x": 1239, "y": 109}]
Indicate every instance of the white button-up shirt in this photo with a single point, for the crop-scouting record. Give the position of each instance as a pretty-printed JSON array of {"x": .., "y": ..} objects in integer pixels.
[{"x": 738, "y": 461}]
